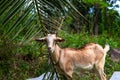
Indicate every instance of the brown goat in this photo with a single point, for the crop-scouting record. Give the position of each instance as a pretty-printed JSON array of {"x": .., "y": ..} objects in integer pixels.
[{"x": 68, "y": 60}]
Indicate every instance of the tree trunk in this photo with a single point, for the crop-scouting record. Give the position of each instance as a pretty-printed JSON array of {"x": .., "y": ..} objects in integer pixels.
[{"x": 96, "y": 19}]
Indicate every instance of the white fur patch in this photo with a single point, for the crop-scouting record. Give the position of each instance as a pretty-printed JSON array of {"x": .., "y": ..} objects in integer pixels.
[
  {"x": 50, "y": 41},
  {"x": 87, "y": 67}
]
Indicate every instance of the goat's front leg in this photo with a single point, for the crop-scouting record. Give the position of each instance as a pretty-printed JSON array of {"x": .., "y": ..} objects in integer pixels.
[
  {"x": 68, "y": 70},
  {"x": 69, "y": 75},
  {"x": 65, "y": 73}
]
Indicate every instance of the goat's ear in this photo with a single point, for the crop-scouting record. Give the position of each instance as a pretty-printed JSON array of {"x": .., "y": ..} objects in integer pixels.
[
  {"x": 40, "y": 39},
  {"x": 60, "y": 39}
]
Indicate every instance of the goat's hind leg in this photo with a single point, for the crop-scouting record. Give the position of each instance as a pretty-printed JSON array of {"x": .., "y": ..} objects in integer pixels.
[
  {"x": 102, "y": 74},
  {"x": 100, "y": 69}
]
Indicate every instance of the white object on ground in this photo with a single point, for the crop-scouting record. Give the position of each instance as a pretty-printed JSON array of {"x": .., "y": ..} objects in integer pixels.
[
  {"x": 115, "y": 76},
  {"x": 45, "y": 76}
]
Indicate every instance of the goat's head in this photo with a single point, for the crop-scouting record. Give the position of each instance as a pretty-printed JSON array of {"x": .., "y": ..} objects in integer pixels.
[{"x": 51, "y": 40}]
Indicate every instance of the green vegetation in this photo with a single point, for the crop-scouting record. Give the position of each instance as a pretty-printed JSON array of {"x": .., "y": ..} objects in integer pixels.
[
  {"x": 19, "y": 63},
  {"x": 23, "y": 20}
]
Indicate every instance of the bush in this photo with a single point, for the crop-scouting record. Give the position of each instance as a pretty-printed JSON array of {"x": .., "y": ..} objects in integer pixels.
[{"x": 20, "y": 62}]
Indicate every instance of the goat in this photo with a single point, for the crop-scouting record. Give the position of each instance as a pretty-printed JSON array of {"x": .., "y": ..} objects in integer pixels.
[{"x": 68, "y": 59}]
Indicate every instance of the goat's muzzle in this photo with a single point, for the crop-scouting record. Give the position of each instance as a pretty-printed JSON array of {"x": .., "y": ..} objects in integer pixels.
[{"x": 50, "y": 49}]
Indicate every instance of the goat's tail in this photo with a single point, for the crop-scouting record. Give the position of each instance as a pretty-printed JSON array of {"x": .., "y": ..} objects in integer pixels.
[{"x": 107, "y": 48}]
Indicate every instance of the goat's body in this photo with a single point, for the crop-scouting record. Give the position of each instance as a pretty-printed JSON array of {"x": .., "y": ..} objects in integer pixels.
[
  {"x": 67, "y": 60},
  {"x": 70, "y": 59}
]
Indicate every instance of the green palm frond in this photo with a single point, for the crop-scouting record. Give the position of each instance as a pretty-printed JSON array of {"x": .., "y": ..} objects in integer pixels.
[
  {"x": 19, "y": 18},
  {"x": 29, "y": 17}
]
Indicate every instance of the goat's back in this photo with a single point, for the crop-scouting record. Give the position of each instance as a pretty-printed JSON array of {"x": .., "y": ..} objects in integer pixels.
[{"x": 87, "y": 55}]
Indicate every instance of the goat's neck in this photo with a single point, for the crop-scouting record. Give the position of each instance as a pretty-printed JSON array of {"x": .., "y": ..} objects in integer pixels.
[{"x": 56, "y": 54}]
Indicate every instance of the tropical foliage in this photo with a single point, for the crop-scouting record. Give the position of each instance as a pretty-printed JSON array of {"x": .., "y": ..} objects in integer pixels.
[{"x": 78, "y": 21}]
